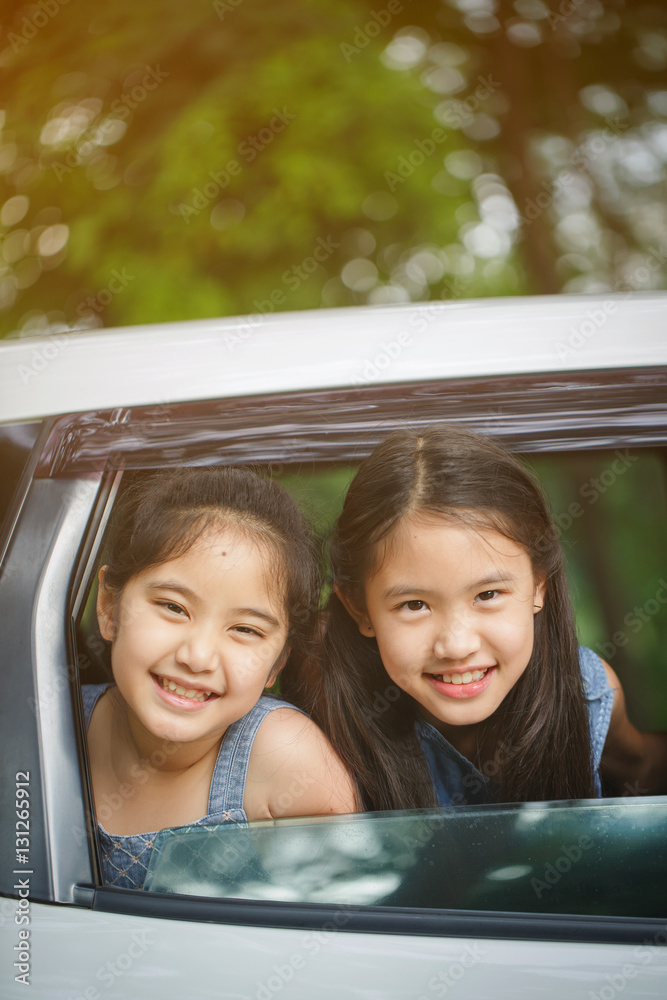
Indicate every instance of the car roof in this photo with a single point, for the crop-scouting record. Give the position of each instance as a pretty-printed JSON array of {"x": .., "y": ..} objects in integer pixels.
[{"x": 69, "y": 372}]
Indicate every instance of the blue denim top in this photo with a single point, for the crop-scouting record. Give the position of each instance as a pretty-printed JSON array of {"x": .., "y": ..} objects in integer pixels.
[
  {"x": 457, "y": 781},
  {"x": 125, "y": 858}
]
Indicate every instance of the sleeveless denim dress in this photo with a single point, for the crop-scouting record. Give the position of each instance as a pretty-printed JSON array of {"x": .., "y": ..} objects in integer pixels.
[
  {"x": 125, "y": 858},
  {"x": 457, "y": 782}
]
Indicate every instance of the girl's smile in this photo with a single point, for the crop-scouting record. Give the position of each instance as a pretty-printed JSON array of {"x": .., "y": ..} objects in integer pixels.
[
  {"x": 195, "y": 640},
  {"x": 174, "y": 693},
  {"x": 452, "y": 610},
  {"x": 462, "y": 683}
]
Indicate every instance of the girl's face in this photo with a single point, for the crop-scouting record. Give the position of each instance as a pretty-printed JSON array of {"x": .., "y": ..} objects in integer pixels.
[
  {"x": 196, "y": 639},
  {"x": 452, "y": 610}
]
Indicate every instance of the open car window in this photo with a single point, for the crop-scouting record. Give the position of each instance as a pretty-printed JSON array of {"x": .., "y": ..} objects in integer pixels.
[{"x": 605, "y": 858}]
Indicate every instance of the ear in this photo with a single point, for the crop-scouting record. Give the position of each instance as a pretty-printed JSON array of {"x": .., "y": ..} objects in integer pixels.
[
  {"x": 106, "y": 608},
  {"x": 355, "y": 611},
  {"x": 539, "y": 594}
]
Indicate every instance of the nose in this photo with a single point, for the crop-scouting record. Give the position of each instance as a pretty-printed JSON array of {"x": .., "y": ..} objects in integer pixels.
[
  {"x": 198, "y": 651},
  {"x": 456, "y": 638}
]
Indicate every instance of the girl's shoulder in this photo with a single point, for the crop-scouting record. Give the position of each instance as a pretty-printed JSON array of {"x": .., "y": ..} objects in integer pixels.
[
  {"x": 90, "y": 695},
  {"x": 594, "y": 674},
  {"x": 293, "y": 761},
  {"x": 281, "y": 725},
  {"x": 269, "y": 703}
]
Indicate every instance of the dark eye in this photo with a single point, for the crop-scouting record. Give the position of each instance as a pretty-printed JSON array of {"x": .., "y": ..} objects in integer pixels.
[
  {"x": 247, "y": 630},
  {"x": 175, "y": 609},
  {"x": 487, "y": 595},
  {"x": 414, "y": 605}
]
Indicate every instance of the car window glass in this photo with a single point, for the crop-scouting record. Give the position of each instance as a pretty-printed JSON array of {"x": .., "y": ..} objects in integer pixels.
[
  {"x": 553, "y": 858},
  {"x": 603, "y": 858}
]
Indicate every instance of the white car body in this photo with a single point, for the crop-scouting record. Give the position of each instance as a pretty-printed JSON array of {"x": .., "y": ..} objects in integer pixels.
[{"x": 85, "y": 942}]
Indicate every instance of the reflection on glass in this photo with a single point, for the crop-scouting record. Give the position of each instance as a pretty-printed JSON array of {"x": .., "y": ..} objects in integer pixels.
[{"x": 602, "y": 858}]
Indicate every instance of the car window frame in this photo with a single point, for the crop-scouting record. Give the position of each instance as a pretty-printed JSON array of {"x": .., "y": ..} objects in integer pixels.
[{"x": 76, "y": 528}]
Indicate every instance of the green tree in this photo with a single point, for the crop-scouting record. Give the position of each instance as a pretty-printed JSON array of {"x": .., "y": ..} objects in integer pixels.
[{"x": 162, "y": 161}]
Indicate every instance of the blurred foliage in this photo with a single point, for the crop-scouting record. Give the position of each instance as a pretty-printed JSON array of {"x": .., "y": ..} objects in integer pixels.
[
  {"x": 611, "y": 510},
  {"x": 163, "y": 161}
]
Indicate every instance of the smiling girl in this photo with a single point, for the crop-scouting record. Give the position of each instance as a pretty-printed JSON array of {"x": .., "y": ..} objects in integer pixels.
[
  {"x": 209, "y": 586},
  {"x": 450, "y": 668}
]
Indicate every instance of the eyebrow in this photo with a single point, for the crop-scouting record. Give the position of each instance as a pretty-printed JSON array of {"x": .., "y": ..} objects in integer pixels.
[
  {"x": 479, "y": 584},
  {"x": 403, "y": 589},
  {"x": 178, "y": 588},
  {"x": 258, "y": 613}
]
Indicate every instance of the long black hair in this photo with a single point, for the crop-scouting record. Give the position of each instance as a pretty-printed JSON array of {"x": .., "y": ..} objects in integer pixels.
[{"x": 542, "y": 724}]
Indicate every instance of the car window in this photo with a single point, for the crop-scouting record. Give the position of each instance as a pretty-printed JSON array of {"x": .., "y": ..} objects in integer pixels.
[
  {"x": 606, "y": 858},
  {"x": 616, "y": 563},
  {"x": 488, "y": 860},
  {"x": 537, "y": 857}
]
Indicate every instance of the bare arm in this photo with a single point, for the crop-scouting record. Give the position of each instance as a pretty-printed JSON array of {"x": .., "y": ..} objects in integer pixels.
[
  {"x": 633, "y": 763},
  {"x": 294, "y": 771}
]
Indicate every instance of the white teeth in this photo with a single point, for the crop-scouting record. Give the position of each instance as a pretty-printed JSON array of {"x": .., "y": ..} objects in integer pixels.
[
  {"x": 191, "y": 693},
  {"x": 464, "y": 678}
]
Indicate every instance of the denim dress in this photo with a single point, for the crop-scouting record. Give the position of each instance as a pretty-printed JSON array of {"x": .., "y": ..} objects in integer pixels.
[
  {"x": 125, "y": 858},
  {"x": 457, "y": 782}
]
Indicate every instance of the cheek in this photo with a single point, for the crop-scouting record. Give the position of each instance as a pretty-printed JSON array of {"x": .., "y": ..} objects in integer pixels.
[
  {"x": 136, "y": 642},
  {"x": 514, "y": 639},
  {"x": 400, "y": 655}
]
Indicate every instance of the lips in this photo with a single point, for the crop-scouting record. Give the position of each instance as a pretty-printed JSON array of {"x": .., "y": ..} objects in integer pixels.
[
  {"x": 463, "y": 678},
  {"x": 462, "y": 683},
  {"x": 174, "y": 693}
]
